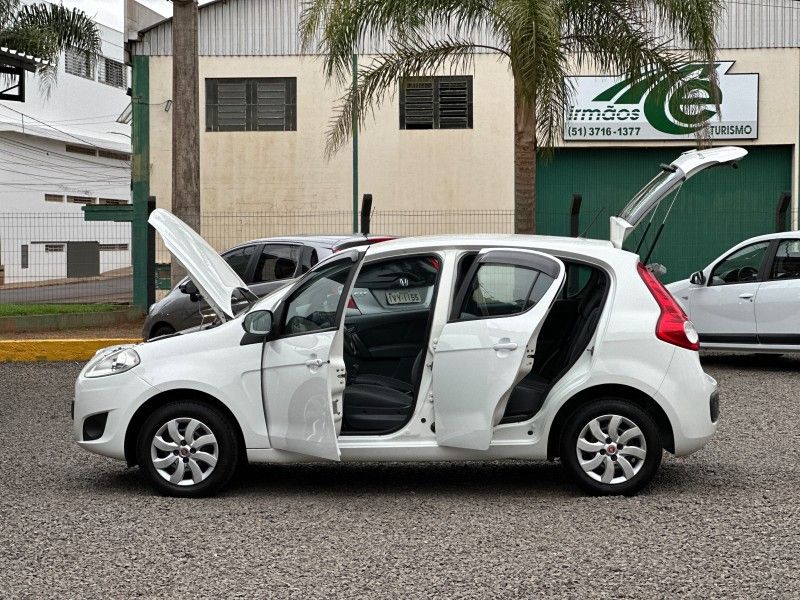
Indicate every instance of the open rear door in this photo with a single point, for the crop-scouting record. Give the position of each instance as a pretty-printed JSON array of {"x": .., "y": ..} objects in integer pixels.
[{"x": 489, "y": 342}]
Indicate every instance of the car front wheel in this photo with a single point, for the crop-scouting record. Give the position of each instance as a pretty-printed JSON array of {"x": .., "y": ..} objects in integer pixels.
[
  {"x": 611, "y": 447},
  {"x": 188, "y": 449}
]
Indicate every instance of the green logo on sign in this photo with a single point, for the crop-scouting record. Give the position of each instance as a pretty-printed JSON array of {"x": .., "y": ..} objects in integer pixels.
[{"x": 676, "y": 106}]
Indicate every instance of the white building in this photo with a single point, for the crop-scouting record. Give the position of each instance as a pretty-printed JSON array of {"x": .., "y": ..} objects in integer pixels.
[{"x": 59, "y": 150}]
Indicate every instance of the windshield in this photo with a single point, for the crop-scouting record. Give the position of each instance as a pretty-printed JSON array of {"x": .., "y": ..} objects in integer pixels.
[{"x": 650, "y": 195}]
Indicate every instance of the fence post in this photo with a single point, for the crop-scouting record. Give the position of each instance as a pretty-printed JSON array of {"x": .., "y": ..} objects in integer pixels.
[
  {"x": 574, "y": 215},
  {"x": 151, "y": 254},
  {"x": 780, "y": 211},
  {"x": 366, "y": 212}
]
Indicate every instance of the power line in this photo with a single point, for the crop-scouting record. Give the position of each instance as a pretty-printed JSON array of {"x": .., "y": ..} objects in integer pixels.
[
  {"x": 61, "y": 155},
  {"x": 53, "y": 127}
]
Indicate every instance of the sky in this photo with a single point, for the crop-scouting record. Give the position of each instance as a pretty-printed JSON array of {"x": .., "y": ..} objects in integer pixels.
[{"x": 111, "y": 12}]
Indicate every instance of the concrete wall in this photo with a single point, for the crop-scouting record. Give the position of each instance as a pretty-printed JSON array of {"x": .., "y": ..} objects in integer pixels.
[{"x": 266, "y": 171}]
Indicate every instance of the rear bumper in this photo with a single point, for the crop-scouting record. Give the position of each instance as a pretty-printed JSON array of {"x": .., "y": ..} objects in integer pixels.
[{"x": 691, "y": 402}]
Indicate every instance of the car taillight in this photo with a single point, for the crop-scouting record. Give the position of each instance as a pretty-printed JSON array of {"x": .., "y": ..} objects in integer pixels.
[
  {"x": 351, "y": 303},
  {"x": 673, "y": 326}
]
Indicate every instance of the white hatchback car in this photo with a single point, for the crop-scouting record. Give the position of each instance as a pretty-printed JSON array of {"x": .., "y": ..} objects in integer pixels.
[
  {"x": 532, "y": 347},
  {"x": 747, "y": 299}
]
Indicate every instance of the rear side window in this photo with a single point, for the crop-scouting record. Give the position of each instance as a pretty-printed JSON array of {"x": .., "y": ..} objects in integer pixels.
[
  {"x": 787, "y": 261},
  {"x": 275, "y": 263},
  {"x": 498, "y": 290}
]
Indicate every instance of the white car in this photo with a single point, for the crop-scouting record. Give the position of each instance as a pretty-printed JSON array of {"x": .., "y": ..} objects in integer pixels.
[
  {"x": 747, "y": 299},
  {"x": 533, "y": 347}
]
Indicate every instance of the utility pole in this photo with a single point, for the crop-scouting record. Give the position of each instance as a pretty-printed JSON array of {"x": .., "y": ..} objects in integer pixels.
[{"x": 185, "y": 120}]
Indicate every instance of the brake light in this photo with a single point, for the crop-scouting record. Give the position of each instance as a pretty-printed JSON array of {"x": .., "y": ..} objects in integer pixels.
[
  {"x": 351, "y": 303},
  {"x": 673, "y": 326}
]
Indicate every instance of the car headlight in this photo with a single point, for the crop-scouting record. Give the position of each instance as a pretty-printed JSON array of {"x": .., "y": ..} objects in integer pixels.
[{"x": 116, "y": 362}]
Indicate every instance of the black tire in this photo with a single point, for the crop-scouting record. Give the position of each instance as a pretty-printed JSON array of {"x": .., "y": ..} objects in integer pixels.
[
  {"x": 227, "y": 448},
  {"x": 633, "y": 413},
  {"x": 162, "y": 329}
]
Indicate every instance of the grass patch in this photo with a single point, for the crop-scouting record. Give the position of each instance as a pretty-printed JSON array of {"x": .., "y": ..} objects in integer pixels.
[{"x": 19, "y": 310}]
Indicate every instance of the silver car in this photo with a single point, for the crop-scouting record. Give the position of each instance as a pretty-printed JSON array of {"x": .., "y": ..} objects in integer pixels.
[{"x": 265, "y": 265}]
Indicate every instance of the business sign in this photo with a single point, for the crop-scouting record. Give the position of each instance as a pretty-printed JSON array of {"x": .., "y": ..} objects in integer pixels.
[{"x": 661, "y": 108}]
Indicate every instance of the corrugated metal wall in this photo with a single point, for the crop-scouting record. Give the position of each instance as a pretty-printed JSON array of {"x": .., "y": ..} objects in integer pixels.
[
  {"x": 270, "y": 28},
  {"x": 734, "y": 204}
]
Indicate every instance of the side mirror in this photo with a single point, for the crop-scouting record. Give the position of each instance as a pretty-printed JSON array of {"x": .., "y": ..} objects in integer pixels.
[
  {"x": 188, "y": 287},
  {"x": 258, "y": 322},
  {"x": 697, "y": 278}
]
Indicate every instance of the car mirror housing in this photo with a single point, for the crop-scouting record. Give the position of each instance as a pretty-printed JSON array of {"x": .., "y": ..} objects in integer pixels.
[
  {"x": 188, "y": 287},
  {"x": 697, "y": 278},
  {"x": 258, "y": 322}
]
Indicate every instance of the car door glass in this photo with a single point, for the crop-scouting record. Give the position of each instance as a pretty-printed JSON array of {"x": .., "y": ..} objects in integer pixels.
[
  {"x": 740, "y": 267},
  {"x": 314, "y": 305},
  {"x": 275, "y": 263},
  {"x": 787, "y": 261},
  {"x": 498, "y": 290},
  {"x": 239, "y": 259}
]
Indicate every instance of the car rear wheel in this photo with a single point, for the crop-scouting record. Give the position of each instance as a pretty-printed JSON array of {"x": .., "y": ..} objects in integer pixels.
[
  {"x": 611, "y": 447},
  {"x": 188, "y": 449}
]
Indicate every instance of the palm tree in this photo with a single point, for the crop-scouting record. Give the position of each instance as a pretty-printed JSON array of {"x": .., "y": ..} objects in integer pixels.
[
  {"x": 542, "y": 41},
  {"x": 46, "y": 30}
]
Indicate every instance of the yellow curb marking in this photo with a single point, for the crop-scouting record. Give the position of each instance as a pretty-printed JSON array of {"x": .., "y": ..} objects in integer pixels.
[{"x": 41, "y": 350}]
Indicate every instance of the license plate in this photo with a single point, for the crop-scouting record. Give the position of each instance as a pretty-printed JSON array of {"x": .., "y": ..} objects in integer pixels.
[{"x": 404, "y": 297}]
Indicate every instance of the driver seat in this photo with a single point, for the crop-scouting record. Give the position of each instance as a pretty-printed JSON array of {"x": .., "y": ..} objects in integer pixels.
[{"x": 376, "y": 403}]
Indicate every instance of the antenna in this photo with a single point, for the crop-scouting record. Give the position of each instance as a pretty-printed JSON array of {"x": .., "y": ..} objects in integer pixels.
[{"x": 597, "y": 214}]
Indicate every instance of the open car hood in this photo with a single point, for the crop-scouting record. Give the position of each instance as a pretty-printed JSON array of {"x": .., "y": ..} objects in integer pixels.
[
  {"x": 214, "y": 277},
  {"x": 671, "y": 176}
]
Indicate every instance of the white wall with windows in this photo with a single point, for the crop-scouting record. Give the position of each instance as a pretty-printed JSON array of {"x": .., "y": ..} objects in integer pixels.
[{"x": 60, "y": 149}]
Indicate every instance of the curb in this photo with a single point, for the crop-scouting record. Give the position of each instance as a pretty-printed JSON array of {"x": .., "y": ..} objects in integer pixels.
[{"x": 55, "y": 350}]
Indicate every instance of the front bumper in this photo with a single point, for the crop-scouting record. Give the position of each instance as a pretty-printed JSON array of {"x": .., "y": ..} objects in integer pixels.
[{"x": 116, "y": 395}]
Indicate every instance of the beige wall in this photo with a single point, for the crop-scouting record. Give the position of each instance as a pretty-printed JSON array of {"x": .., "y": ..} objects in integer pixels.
[
  {"x": 404, "y": 170},
  {"x": 266, "y": 171}
]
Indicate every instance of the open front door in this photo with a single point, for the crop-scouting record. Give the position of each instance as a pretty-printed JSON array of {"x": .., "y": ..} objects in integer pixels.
[
  {"x": 489, "y": 341},
  {"x": 303, "y": 371}
]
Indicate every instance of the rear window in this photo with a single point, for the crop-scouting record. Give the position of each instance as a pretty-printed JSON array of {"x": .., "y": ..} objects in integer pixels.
[{"x": 499, "y": 290}]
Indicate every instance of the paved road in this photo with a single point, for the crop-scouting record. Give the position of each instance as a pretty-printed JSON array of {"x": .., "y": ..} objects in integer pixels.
[
  {"x": 724, "y": 523},
  {"x": 111, "y": 289}
]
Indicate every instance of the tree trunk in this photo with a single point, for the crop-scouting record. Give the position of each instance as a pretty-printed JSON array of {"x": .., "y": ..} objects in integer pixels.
[
  {"x": 185, "y": 120},
  {"x": 524, "y": 166}
]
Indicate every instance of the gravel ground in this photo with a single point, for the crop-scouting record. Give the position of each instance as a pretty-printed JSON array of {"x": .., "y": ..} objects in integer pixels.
[{"x": 722, "y": 523}]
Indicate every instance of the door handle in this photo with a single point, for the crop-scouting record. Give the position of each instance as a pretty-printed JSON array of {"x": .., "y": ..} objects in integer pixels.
[
  {"x": 315, "y": 362},
  {"x": 505, "y": 346},
  {"x": 746, "y": 296}
]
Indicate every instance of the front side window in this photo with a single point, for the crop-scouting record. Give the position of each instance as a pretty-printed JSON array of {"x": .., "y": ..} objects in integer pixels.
[
  {"x": 498, "y": 290},
  {"x": 740, "y": 267},
  {"x": 239, "y": 260},
  {"x": 314, "y": 306},
  {"x": 787, "y": 261},
  {"x": 436, "y": 102},
  {"x": 258, "y": 104},
  {"x": 276, "y": 263}
]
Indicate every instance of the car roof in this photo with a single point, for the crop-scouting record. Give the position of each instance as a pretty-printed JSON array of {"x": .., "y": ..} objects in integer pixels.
[
  {"x": 546, "y": 242},
  {"x": 780, "y": 235},
  {"x": 326, "y": 241}
]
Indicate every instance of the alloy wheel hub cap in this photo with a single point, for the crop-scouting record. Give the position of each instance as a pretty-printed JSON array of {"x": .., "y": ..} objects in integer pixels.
[
  {"x": 611, "y": 449},
  {"x": 184, "y": 451}
]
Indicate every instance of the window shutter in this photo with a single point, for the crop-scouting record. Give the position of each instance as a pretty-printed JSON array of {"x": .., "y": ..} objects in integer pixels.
[
  {"x": 263, "y": 104},
  {"x": 274, "y": 105},
  {"x": 416, "y": 104},
  {"x": 454, "y": 102},
  {"x": 231, "y": 105}
]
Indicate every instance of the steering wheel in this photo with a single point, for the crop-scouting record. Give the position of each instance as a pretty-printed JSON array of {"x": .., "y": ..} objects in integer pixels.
[{"x": 747, "y": 274}]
